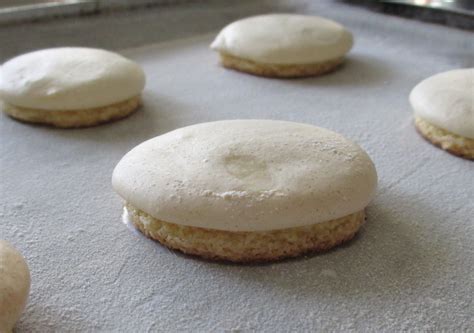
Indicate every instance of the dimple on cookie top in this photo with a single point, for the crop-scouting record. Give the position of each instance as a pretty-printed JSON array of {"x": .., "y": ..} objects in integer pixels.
[
  {"x": 69, "y": 78},
  {"x": 446, "y": 100},
  {"x": 247, "y": 175},
  {"x": 284, "y": 39}
]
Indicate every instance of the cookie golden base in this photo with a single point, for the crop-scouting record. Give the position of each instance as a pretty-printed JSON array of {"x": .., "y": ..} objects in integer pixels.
[
  {"x": 279, "y": 71},
  {"x": 74, "y": 118},
  {"x": 453, "y": 143},
  {"x": 260, "y": 246}
]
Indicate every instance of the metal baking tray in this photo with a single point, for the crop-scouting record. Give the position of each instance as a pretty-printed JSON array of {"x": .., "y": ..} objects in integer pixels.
[{"x": 410, "y": 268}]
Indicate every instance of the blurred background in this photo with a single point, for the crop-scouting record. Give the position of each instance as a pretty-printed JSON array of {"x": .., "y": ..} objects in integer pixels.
[{"x": 456, "y": 13}]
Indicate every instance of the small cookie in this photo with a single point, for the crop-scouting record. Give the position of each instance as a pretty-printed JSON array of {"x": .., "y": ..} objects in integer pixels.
[
  {"x": 283, "y": 45},
  {"x": 14, "y": 286},
  {"x": 70, "y": 87},
  {"x": 247, "y": 190},
  {"x": 443, "y": 105}
]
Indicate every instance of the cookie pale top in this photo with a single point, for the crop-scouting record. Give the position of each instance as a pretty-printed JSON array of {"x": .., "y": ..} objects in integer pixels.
[
  {"x": 14, "y": 286},
  {"x": 69, "y": 78},
  {"x": 247, "y": 175},
  {"x": 447, "y": 100},
  {"x": 284, "y": 39}
]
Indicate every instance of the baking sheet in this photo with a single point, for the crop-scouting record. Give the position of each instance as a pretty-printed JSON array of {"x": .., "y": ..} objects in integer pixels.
[{"x": 410, "y": 268}]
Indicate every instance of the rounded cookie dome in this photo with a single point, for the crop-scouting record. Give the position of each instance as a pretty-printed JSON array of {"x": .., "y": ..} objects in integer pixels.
[
  {"x": 246, "y": 175},
  {"x": 69, "y": 78},
  {"x": 447, "y": 101},
  {"x": 14, "y": 286},
  {"x": 284, "y": 39}
]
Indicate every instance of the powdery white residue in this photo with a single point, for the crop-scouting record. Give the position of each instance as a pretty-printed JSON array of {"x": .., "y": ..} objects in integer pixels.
[
  {"x": 332, "y": 147},
  {"x": 328, "y": 273},
  {"x": 232, "y": 195}
]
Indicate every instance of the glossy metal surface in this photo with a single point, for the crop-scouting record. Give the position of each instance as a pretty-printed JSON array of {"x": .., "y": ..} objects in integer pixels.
[{"x": 465, "y": 7}]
